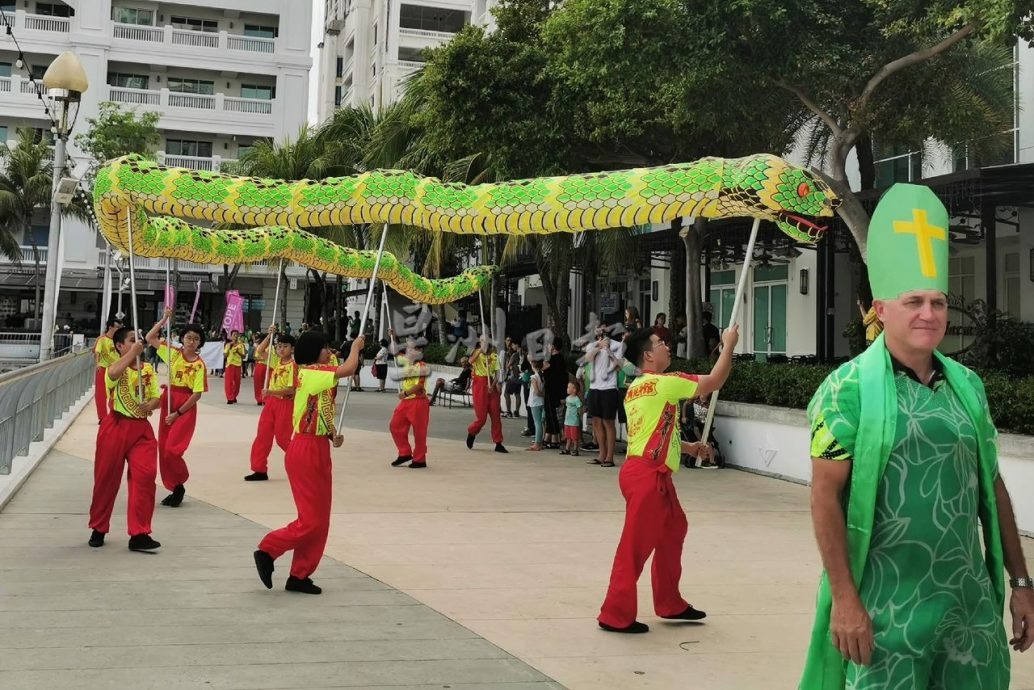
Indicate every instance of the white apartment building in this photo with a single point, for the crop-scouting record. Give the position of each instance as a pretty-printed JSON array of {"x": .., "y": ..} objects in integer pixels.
[
  {"x": 370, "y": 47},
  {"x": 222, "y": 73}
]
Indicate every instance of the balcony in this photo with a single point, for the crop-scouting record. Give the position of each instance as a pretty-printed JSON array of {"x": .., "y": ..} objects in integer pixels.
[
  {"x": 411, "y": 65},
  {"x": 213, "y": 163},
  {"x": 16, "y": 83},
  {"x": 38, "y": 22},
  {"x": 426, "y": 34},
  {"x": 27, "y": 258},
  {"x": 163, "y": 99},
  {"x": 168, "y": 36}
]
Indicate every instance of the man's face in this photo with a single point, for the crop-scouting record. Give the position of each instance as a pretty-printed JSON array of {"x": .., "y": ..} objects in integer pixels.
[
  {"x": 915, "y": 320},
  {"x": 659, "y": 357}
]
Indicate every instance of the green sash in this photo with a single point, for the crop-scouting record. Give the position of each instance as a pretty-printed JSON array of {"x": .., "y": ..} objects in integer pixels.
[{"x": 874, "y": 396}]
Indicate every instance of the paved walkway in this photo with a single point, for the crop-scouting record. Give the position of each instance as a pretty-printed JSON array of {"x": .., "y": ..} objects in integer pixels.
[{"x": 452, "y": 570}]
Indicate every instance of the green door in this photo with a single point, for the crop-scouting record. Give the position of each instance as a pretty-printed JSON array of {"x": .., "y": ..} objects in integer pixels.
[{"x": 770, "y": 319}]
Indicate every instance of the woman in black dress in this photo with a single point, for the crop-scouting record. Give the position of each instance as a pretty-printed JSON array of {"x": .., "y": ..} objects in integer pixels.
[{"x": 555, "y": 374}]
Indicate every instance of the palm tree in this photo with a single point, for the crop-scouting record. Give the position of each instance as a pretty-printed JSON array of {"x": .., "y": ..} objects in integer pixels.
[{"x": 26, "y": 171}]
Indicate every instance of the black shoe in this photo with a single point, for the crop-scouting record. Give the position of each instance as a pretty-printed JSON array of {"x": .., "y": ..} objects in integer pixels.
[
  {"x": 257, "y": 477},
  {"x": 470, "y": 440},
  {"x": 142, "y": 542},
  {"x": 527, "y": 432},
  {"x": 264, "y": 563},
  {"x": 635, "y": 628},
  {"x": 96, "y": 539},
  {"x": 500, "y": 448},
  {"x": 401, "y": 460},
  {"x": 174, "y": 499},
  {"x": 305, "y": 586},
  {"x": 690, "y": 614},
  {"x": 417, "y": 465}
]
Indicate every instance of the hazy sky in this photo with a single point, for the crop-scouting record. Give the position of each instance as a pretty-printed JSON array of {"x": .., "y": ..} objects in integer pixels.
[{"x": 317, "y": 36}]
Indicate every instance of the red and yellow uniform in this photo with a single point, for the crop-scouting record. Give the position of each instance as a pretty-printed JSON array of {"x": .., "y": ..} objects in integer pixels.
[
  {"x": 485, "y": 370},
  {"x": 188, "y": 377},
  {"x": 309, "y": 471},
  {"x": 275, "y": 422},
  {"x": 333, "y": 362},
  {"x": 104, "y": 348},
  {"x": 233, "y": 353},
  {"x": 259, "y": 377},
  {"x": 126, "y": 436},
  {"x": 654, "y": 519},
  {"x": 412, "y": 411}
]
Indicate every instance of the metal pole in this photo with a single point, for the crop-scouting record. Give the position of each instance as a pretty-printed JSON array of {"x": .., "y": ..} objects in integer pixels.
[
  {"x": 106, "y": 292},
  {"x": 132, "y": 294},
  {"x": 362, "y": 324},
  {"x": 276, "y": 301},
  {"x": 740, "y": 289},
  {"x": 391, "y": 334},
  {"x": 46, "y": 345}
]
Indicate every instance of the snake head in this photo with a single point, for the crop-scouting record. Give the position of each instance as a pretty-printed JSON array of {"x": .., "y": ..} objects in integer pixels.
[{"x": 770, "y": 188}]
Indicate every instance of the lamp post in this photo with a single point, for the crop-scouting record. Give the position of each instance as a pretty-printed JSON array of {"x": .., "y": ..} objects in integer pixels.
[{"x": 65, "y": 81}]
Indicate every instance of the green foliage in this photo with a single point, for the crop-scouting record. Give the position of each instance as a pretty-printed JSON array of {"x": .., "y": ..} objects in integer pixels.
[
  {"x": 434, "y": 353},
  {"x": 1004, "y": 345},
  {"x": 116, "y": 132},
  {"x": 25, "y": 186}
]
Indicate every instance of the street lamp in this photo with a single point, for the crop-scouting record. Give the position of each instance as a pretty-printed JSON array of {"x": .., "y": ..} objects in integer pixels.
[{"x": 65, "y": 81}]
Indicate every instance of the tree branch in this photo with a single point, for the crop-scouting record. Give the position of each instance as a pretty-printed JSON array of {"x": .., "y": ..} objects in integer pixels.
[
  {"x": 812, "y": 106},
  {"x": 901, "y": 63}
]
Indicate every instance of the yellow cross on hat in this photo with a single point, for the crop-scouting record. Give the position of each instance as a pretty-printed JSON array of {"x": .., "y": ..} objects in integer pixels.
[{"x": 908, "y": 242}]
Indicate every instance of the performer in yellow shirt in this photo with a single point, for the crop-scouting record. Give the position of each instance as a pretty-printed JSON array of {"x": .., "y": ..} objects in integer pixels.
[
  {"x": 485, "y": 390},
  {"x": 308, "y": 463},
  {"x": 176, "y": 428},
  {"x": 233, "y": 352},
  {"x": 413, "y": 408},
  {"x": 275, "y": 420},
  {"x": 104, "y": 356},
  {"x": 125, "y": 437}
]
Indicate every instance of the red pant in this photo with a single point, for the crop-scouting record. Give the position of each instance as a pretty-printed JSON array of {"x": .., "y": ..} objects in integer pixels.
[
  {"x": 174, "y": 440},
  {"x": 122, "y": 440},
  {"x": 308, "y": 470},
  {"x": 259, "y": 379},
  {"x": 232, "y": 382},
  {"x": 654, "y": 523},
  {"x": 100, "y": 393},
  {"x": 485, "y": 404},
  {"x": 274, "y": 423},
  {"x": 411, "y": 413}
]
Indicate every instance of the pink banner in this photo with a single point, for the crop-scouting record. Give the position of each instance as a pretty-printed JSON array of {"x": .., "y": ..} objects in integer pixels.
[
  {"x": 170, "y": 297},
  {"x": 233, "y": 320},
  {"x": 197, "y": 298}
]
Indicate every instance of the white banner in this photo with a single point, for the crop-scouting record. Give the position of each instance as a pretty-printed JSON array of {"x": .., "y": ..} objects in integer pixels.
[{"x": 212, "y": 353}]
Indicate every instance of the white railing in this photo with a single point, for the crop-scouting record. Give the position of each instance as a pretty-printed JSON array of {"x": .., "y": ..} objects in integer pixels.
[
  {"x": 39, "y": 22},
  {"x": 170, "y": 36},
  {"x": 28, "y": 87},
  {"x": 411, "y": 64},
  {"x": 424, "y": 33},
  {"x": 5, "y": 85},
  {"x": 214, "y": 163},
  {"x": 252, "y": 44},
  {"x": 26, "y": 256},
  {"x": 122, "y": 94},
  {"x": 192, "y": 100},
  {"x": 162, "y": 99},
  {"x": 195, "y": 39},
  {"x": 17, "y": 84},
  {"x": 134, "y": 32},
  {"x": 233, "y": 104}
]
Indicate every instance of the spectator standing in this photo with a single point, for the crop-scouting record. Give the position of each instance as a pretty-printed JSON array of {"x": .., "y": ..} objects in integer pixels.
[
  {"x": 660, "y": 327},
  {"x": 712, "y": 336},
  {"x": 554, "y": 373},
  {"x": 537, "y": 402}
]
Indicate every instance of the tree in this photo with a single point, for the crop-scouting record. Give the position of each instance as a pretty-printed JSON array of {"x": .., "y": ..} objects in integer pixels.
[
  {"x": 26, "y": 179},
  {"x": 116, "y": 132},
  {"x": 889, "y": 73}
]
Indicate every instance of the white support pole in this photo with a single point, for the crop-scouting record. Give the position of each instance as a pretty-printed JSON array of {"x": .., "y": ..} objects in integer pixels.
[
  {"x": 132, "y": 296},
  {"x": 168, "y": 326},
  {"x": 740, "y": 290},
  {"x": 276, "y": 302},
  {"x": 106, "y": 291},
  {"x": 362, "y": 324},
  {"x": 391, "y": 335}
]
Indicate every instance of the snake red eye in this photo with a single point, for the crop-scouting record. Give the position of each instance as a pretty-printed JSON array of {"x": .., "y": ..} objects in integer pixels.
[{"x": 803, "y": 189}]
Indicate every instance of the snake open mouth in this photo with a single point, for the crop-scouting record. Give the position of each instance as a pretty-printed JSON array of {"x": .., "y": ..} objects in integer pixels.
[{"x": 799, "y": 221}]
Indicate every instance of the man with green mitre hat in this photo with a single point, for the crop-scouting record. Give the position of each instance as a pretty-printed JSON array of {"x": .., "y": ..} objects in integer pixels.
[{"x": 904, "y": 480}]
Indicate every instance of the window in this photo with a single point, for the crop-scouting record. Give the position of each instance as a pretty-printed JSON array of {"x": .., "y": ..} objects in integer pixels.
[
  {"x": 7, "y": 6},
  {"x": 431, "y": 18},
  {"x": 195, "y": 24},
  {"x": 337, "y": 96},
  {"x": 184, "y": 147},
  {"x": 897, "y": 164},
  {"x": 244, "y": 149},
  {"x": 42, "y": 135},
  {"x": 132, "y": 15},
  {"x": 375, "y": 34},
  {"x": 198, "y": 86},
  {"x": 128, "y": 81},
  {"x": 3, "y": 134},
  {"x": 261, "y": 31},
  {"x": 5, "y": 69},
  {"x": 375, "y": 69},
  {"x": 962, "y": 278},
  {"x": 266, "y": 93},
  {"x": 339, "y": 68},
  {"x": 53, "y": 9}
]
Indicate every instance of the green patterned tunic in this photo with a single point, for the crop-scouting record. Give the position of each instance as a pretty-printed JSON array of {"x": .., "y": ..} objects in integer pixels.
[{"x": 925, "y": 583}]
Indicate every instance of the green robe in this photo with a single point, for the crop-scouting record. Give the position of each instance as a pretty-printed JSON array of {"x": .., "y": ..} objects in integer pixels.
[{"x": 864, "y": 407}]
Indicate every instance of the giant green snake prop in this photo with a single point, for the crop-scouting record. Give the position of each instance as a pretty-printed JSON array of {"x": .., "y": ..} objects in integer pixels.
[{"x": 760, "y": 186}]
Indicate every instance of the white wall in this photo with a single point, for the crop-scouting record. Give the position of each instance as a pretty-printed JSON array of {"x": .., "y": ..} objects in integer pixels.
[{"x": 775, "y": 441}]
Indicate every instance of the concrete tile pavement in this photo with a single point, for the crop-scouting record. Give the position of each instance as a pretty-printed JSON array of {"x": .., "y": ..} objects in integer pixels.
[{"x": 516, "y": 548}]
